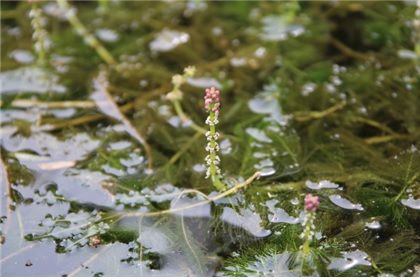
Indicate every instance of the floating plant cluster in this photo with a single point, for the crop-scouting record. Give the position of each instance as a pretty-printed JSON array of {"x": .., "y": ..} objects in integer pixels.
[{"x": 300, "y": 159}]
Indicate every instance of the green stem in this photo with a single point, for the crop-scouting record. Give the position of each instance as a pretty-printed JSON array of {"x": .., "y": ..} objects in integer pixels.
[
  {"x": 406, "y": 180},
  {"x": 375, "y": 266},
  {"x": 103, "y": 4},
  {"x": 184, "y": 118},
  {"x": 89, "y": 38},
  {"x": 214, "y": 171},
  {"x": 307, "y": 233},
  {"x": 39, "y": 35}
]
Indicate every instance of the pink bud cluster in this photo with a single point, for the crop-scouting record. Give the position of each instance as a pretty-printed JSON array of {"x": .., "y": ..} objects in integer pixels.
[
  {"x": 212, "y": 100},
  {"x": 311, "y": 202}
]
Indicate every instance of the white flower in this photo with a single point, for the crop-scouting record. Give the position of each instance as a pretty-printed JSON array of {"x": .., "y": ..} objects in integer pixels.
[
  {"x": 189, "y": 71},
  {"x": 176, "y": 94},
  {"x": 177, "y": 80}
]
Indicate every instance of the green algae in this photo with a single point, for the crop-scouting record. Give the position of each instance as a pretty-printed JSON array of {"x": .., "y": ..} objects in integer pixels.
[{"x": 311, "y": 91}]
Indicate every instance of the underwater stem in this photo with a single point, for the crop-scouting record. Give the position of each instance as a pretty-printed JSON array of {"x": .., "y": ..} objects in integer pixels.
[
  {"x": 187, "y": 145},
  {"x": 308, "y": 232},
  {"x": 214, "y": 169},
  {"x": 39, "y": 35},
  {"x": 81, "y": 29},
  {"x": 200, "y": 203},
  {"x": 212, "y": 106},
  {"x": 185, "y": 119}
]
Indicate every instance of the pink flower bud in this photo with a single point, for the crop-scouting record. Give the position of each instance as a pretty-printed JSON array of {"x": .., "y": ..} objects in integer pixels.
[
  {"x": 311, "y": 202},
  {"x": 212, "y": 99}
]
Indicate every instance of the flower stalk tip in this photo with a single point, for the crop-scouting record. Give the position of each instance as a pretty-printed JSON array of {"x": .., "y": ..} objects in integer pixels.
[
  {"x": 212, "y": 106},
  {"x": 311, "y": 205},
  {"x": 212, "y": 100},
  {"x": 311, "y": 202},
  {"x": 177, "y": 81}
]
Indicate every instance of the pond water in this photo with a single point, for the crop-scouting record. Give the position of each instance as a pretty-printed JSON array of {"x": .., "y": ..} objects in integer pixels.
[{"x": 103, "y": 154}]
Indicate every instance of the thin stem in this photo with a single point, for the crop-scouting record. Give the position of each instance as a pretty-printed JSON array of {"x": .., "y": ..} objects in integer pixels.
[
  {"x": 308, "y": 232},
  {"x": 89, "y": 38},
  {"x": 385, "y": 138},
  {"x": 107, "y": 105},
  {"x": 39, "y": 34},
  {"x": 406, "y": 181},
  {"x": 28, "y": 103},
  {"x": 92, "y": 118},
  {"x": 374, "y": 265},
  {"x": 313, "y": 115},
  {"x": 209, "y": 199},
  {"x": 175, "y": 157},
  {"x": 348, "y": 51},
  {"x": 213, "y": 157},
  {"x": 186, "y": 119}
]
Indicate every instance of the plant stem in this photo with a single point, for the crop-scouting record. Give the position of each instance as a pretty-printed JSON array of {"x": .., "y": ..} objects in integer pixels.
[
  {"x": 184, "y": 118},
  {"x": 308, "y": 232},
  {"x": 89, "y": 38},
  {"x": 200, "y": 203},
  {"x": 39, "y": 34},
  {"x": 214, "y": 159}
]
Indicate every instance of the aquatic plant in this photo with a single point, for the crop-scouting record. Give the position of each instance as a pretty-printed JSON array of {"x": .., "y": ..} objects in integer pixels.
[
  {"x": 176, "y": 95},
  {"x": 416, "y": 34},
  {"x": 40, "y": 34},
  {"x": 311, "y": 205},
  {"x": 312, "y": 99},
  {"x": 89, "y": 39},
  {"x": 212, "y": 106}
]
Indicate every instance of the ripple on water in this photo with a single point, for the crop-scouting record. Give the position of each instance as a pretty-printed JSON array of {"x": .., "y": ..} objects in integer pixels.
[
  {"x": 411, "y": 202},
  {"x": 108, "y": 169},
  {"x": 63, "y": 113},
  {"x": 22, "y": 56},
  {"x": 204, "y": 82},
  {"x": 162, "y": 193},
  {"x": 132, "y": 199},
  {"x": 120, "y": 145},
  {"x": 225, "y": 146},
  {"x": 132, "y": 160},
  {"x": 265, "y": 167},
  {"x": 245, "y": 219},
  {"x": 278, "y": 215},
  {"x": 73, "y": 148},
  {"x": 267, "y": 171},
  {"x": 266, "y": 103},
  {"x": 373, "y": 225},
  {"x": 107, "y": 35},
  {"x": 276, "y": 28},
  {"x": 407, "y": 54},
  {"x": 84, "y": 186},
  {"x": 168, "y": 40},
  {"x": 277, "y": 265},
  {"x": 189, "y": 210},
  {"x": 29, "y": 79},
  {"x": 199, "y": 168},
  {"x": 324, "y": 184},
  {"x": 345, "y": 203},
  {"x": 349, "y": 260},
  {"x": 11, "y": 115},
  {"x": 238, "y": 61},
  {"x": 258, "y": 134}
]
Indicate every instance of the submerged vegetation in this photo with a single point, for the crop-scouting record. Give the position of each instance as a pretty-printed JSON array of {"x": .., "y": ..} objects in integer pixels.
[{"x": 312, "y": 164}]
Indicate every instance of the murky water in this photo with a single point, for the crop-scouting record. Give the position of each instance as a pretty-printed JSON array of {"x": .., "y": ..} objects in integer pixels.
[{"x": 103, "y": 173}]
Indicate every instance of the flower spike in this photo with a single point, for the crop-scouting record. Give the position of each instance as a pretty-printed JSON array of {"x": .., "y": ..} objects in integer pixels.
[
  {"x": 212, "y": 106},
  {"x": 311, "y": 205}
]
